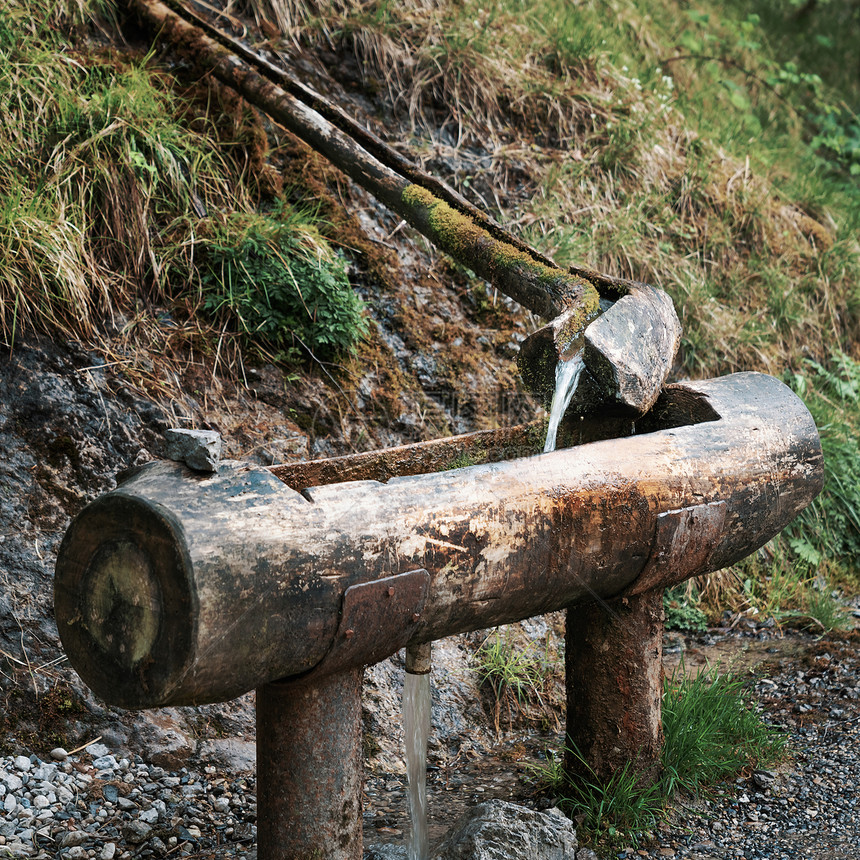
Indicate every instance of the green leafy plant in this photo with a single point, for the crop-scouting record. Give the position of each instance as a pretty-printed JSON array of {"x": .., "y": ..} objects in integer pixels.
[
  {"x": 282, "y": 284},
  {"x": 781, "y": 586},
  {"x": 682, "y": 610},
  {"x": 828, "y": 531}
]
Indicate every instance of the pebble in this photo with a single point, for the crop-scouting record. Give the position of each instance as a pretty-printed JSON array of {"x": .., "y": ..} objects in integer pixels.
[
  {"x": 97, "y": 805},
  {"x": 74, "y": 838},
  {"x": 12, "y": 781}
]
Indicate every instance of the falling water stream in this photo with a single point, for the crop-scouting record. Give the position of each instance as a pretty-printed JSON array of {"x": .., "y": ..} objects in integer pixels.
[
  {"x": 416, "y": 728},
  {"x": 567, "y": 375},
  {"x": 416, "y": 689}
]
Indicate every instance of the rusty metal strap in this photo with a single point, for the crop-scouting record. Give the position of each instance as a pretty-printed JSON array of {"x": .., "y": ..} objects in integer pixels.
[
  {"x": 377, "y": 619},
  {"x": 684, "y": 541}
]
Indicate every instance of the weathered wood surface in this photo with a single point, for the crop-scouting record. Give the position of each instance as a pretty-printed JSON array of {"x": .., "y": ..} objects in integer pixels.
[
  {"x": 635, "y": 370},
  {"x": 177, "y": 588},
  {"x": 614, "y": 682},
  {"x": 310, "y": 769},
  {"x": 437, "y": 455}
]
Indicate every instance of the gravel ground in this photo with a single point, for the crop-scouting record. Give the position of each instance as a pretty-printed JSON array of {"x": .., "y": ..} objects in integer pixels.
[
  {"x": 98, "y": 804},
  {"x": 808, "y": 807}
]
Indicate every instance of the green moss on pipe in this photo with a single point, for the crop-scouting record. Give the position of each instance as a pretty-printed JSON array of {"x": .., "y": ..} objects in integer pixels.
[{"x": 544, "y": 289}]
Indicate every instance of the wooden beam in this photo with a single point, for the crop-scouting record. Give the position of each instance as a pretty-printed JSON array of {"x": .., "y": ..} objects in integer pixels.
[{"x": 178, "y": 588}]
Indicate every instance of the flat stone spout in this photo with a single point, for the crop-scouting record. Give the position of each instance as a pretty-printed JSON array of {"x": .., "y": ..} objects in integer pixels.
[{"x": 628, "y": 353}]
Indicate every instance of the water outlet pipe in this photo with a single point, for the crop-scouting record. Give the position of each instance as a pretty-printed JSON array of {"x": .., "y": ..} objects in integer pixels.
[{"x": 419, "y": 658}]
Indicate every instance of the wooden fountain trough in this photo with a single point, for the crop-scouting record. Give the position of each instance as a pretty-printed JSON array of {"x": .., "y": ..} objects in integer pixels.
[{"x": 181, "y": 588}]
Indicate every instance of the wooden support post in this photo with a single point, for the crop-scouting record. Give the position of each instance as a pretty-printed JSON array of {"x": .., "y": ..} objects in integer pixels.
[
  {"x": 309, "y": 769},
  {"x": 614, "y": 683}
]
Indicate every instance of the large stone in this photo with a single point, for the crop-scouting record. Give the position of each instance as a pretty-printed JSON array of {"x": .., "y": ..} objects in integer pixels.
[
  {"x": 387, "y": 852},
  {"x": 233, "y": 753},
  {"x": 162, "y": 739},
  {"x": 628, "y": 351},
  {"x": 498, "y": 830}
]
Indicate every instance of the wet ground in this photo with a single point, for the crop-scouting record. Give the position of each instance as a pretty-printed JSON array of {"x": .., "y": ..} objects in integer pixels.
[{"x": 453, "y": 787}]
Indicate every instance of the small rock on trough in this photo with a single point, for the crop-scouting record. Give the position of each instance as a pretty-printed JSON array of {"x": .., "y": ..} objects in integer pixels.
[{"x": 198, "y": 449}]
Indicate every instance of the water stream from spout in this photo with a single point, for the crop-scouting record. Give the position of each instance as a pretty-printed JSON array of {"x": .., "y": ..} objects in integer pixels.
[
  {"x": 416, "y": 687},
  {"x": 567, "y": 375},
  {"x": 416, "y": 728}
]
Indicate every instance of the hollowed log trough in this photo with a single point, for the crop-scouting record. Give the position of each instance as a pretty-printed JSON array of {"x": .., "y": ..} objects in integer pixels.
[{"x": 178, "y": 588}]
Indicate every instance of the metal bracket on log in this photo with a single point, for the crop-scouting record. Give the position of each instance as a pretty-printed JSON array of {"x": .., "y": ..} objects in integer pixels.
[
  {"x": 378, "y": 618},
  {"x": 684, "y": 541}
]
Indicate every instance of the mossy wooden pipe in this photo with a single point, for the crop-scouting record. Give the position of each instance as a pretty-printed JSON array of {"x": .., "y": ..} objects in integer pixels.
[
  {"x": 180, "y": 589},
  {"x": 568, "y": 297}
]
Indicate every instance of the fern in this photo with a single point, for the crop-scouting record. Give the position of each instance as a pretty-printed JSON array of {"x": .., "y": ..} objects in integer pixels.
[{"x": 828, "y": 531}]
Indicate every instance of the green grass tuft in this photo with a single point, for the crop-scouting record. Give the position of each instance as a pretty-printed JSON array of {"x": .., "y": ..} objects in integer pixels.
[
  {"x": 282, "y": 284},
  {"x": 712, "y": 733},
  {"x": 95, "y": 170},
  {"x": 522, "y": 676},
  {"x": 618, "y": 812}
]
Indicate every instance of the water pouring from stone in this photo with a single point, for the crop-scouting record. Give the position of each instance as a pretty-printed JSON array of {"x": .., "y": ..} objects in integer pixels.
[{"x": 567, "y": 375}]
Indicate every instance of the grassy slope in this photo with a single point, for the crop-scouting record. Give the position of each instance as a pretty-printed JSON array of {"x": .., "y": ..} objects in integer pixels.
[{"x": 697, "y": 147}]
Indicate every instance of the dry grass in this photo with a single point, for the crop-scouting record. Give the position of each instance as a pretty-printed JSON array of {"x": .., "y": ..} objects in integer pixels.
[
  {"x": 743, "y": 264},
  {"x": 456, "y": 70},
  {"x": 101, "y": 184}
]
